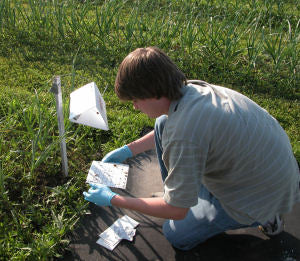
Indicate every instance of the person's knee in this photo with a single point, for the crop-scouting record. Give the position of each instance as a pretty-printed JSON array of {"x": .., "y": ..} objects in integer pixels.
[{"x": 176, "y": 238}]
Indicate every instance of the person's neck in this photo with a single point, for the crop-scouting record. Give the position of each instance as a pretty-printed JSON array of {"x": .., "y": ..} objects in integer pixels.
[{"x": 165, "y": 105}]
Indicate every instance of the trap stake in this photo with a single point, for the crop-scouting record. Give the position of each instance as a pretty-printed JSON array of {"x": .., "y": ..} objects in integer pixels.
[{"x": 56, "y": 89}]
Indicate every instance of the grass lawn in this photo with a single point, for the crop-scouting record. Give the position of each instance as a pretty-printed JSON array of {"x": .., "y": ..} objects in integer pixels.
[{"x": 250, "y": 46}]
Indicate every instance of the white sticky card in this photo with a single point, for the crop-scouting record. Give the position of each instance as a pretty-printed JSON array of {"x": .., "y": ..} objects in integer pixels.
[
  {"x": 109, "y": 174},
  {"x": 126, "y": 221},
  {"x": 109, "y": 243},
  {"x": 123, "y": 228}
]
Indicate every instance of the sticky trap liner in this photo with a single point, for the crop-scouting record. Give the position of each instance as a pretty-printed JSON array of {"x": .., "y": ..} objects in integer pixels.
[
  {"x": 123, "y": 228},
  {"x": 109, "y": 174}
]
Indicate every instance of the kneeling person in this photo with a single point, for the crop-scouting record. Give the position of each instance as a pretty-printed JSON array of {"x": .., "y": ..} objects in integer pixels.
[{"x": 226, "y": 162}]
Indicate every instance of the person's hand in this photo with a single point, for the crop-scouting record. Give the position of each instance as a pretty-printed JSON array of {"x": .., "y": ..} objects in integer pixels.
[
  {"x": 118, "y": 155},
  {"x": 101, "y": 195}
]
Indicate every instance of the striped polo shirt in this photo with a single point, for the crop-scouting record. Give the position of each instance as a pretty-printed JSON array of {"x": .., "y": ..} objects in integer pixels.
[{"x": 235, "y": 148}]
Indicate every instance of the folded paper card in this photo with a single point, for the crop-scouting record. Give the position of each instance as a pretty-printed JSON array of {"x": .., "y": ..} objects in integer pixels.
[
  {"x": 109, "y": 174},
  {"x": 123, "y": 228},
  {"x": 88, "y": 107}
]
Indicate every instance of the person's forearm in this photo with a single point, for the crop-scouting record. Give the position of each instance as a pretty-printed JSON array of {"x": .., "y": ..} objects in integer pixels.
[
  {"x": 156, "y": 207},
  {"x": 145, "y": 143}
]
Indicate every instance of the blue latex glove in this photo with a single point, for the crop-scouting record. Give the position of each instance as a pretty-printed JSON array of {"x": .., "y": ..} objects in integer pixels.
[
  {"x": 101, "y": 195},
  {"x": 118, "y": 155}
]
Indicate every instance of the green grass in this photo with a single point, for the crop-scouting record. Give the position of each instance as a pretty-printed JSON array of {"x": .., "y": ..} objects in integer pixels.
[{"x": 250, "y": 46}]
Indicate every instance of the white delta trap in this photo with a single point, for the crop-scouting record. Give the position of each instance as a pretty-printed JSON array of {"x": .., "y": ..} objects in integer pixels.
[{"x": 87, "y": 107}]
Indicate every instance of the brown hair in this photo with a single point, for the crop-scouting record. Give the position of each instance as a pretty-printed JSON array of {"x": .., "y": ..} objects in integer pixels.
[{"x": 148, "y": 73}]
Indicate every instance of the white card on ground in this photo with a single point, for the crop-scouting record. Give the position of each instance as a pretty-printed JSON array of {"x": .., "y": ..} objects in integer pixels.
[
  {"x": 126, "y": 221},
  {"x": 123, "y": 228},
  {"x": 109, "y": 174},
  {"x": 129, "y": 234},
  {"x": 109, "y": 244}
]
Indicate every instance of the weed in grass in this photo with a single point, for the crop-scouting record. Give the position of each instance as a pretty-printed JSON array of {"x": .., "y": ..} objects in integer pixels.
[
  {"x": 293, "y": 52},
  {"x": 273, "y": 46},
  {"x": 254, "y": 43}
]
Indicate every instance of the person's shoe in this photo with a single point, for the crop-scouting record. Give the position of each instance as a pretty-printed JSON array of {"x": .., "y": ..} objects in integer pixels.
[{"x": 272, "y": 228}]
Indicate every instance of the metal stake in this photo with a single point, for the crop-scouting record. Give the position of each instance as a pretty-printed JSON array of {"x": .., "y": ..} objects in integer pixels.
[{"x": 56, "y": 89}]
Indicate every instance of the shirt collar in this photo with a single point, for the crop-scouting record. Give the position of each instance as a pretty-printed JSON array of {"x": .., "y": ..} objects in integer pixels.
[{"x": 174, "y": 104}]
